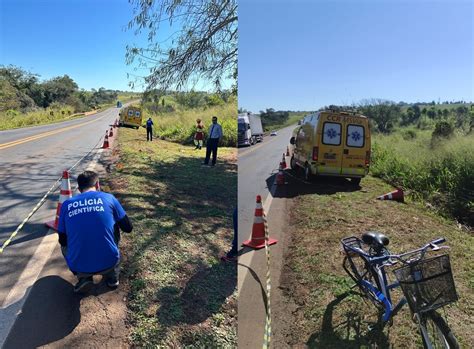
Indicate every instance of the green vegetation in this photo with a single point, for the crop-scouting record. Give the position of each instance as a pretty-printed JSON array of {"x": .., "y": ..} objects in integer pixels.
[
  {"x": 326, "y": 314},
  {"x": 275, "y": 120},
  {"x": 423, "y": 147},
  {"x": 180, "y": 294},
  {"x": 203, "y": 46},
  {"x": 436, "y": 169},
  {"x": 14, "y": 119},
  {"x": 175, "y": 114},
  {"x": 25, "y": 101},
  {"x": 386, "y": 116}
]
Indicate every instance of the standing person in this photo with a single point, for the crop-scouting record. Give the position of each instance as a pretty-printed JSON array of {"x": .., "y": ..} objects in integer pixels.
[
  {"x": 199, "y": 136},
  {"x": 215, "y": 133},
  {"x": 149, "y": 129},
  {"x": 89, "y": 233}
]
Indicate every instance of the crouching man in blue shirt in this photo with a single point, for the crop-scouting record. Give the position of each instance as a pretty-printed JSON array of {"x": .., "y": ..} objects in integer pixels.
[{"x": 89, "y": 232}]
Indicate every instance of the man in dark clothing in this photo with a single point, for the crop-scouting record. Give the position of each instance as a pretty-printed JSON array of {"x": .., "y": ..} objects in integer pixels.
[
  {"x": 233, "y": 252},
  {"x": 89, "y": 232},
  {"x": 215, "y": 134},
  {"x": 149, "y": 129}
]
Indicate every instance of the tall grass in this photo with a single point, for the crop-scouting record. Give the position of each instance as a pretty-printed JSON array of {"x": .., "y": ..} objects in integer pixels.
[
  {"x": 180, "y": 125},
  {"x": 14, "y": 119},
  {"x": 440, "y": 172}
]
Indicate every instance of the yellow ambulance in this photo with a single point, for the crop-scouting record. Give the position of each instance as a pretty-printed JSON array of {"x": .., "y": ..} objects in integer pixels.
[
  {"x": 332, "y": 143},
  {"x": 131, "y": 116}
]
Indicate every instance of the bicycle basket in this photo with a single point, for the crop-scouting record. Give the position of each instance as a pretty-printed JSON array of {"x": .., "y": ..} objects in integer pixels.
[{"x": 427, "y": 284}]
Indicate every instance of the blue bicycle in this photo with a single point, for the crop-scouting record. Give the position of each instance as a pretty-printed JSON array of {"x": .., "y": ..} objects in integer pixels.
[{"x": 427, "y": 283}]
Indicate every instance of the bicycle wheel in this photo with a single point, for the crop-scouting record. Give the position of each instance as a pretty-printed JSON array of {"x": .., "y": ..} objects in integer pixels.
[
  {"x": 361, "y": 272},
  {"x": 438, "y": 332}
]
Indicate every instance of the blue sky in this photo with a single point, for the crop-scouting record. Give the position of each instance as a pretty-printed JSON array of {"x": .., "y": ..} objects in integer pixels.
[
  {"x": 84, "y": 39},
  {"x": 302, "y": 55}
]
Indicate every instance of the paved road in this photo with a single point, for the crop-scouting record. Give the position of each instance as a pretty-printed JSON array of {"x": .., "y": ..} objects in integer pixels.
[
  {"x": 31, "y": 159},
  {"x": 257, "y": 167}
]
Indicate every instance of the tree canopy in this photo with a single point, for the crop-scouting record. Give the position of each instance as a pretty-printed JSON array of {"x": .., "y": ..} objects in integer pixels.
[
  {"x": 21, "y": 90},
  {"x": 202, "y": 47}
]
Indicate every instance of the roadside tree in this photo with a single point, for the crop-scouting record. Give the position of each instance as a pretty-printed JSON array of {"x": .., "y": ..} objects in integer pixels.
[{"x": 203, "y": 46}]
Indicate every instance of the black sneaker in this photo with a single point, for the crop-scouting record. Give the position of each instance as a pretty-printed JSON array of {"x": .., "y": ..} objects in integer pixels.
[
  {"x": 84, "y": 285},
  {"x": 112, "y": 282}
]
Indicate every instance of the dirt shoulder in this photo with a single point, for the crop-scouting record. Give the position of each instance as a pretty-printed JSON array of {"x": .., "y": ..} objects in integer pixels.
[
  {"x": 179, "y": 292},
  {"x": 318, "y": 310}
]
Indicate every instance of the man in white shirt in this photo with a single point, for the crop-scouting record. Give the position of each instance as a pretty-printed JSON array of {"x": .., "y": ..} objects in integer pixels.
[{"x": 215, "y": 133}]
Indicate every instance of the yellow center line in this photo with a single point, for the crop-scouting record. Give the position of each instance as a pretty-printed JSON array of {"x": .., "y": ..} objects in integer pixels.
[{"x": 45, "y": 134}]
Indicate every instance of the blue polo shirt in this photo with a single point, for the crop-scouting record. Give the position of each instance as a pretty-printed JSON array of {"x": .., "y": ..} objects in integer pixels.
[{"x": 88, "y": 220}]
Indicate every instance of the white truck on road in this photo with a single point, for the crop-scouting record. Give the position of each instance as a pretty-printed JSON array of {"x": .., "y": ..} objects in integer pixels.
[{"x": 250, "y": 130}]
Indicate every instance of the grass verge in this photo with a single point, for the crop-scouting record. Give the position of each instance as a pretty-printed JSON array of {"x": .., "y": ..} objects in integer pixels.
[
  {"x": 12, "y": 119},
  {"x": 181, "y": 295},
  {"x": 326, "y": 314},
  {"x": 293, "y": 119},
  {"x": 179, "y": 125},
  {"x": 441, "y": 173}
]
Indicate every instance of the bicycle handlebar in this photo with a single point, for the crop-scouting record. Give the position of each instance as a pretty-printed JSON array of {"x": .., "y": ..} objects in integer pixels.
[
  {"x": 433, "y": 245},
  {"x": 438, "y": 241}
]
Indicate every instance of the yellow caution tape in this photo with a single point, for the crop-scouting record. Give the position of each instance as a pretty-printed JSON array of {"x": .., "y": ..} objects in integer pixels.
[
  {"x": 268, "y": 321},
  {"x": 42, "y": 201}
]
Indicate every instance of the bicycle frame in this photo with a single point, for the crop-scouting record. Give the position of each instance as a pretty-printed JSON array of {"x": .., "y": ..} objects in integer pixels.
[
  {"x": 378, "y": 263},
  {"x": 383, "y": 294}
]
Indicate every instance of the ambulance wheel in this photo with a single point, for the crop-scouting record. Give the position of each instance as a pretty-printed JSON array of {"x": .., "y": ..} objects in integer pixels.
[
  {"x": 293, "y": 164},
  {"x": 308, "y": 176},
  {"x": 355, "y": 181}
]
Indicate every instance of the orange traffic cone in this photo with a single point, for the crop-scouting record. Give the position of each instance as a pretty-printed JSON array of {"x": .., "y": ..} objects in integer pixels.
[
  {"x": 111, "y": 132},
  {"x": 106, "y": 141},
  {"x": 396, "y": 195},
  {"x": 287, "y": 151},
  {"x": 257, "y": 239},
  {"x": 280, "y": 177},
  {"x": 283, "y": 161},
  {"x": 65, "y": 194}
]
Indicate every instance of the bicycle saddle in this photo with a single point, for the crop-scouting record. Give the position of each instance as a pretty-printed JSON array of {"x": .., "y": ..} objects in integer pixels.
[{"x": 375, "y": 239}]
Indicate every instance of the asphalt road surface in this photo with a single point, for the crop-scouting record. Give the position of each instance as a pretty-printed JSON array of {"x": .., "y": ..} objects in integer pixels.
[
  {"x": 31, "y": 160},
  {"x": 258, "y": 166}
]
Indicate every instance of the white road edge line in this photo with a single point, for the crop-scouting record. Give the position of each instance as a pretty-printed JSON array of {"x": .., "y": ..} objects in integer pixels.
[
  {"x": 13, "y": 304},
  {"x": 246, "y": 259}
]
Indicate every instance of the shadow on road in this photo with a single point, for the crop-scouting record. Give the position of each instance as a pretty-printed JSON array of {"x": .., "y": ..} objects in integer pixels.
[
  {"x": 322, "y": 185},
  {"x": 348, "y": 330},
  {"x": 44, "y": 319},
  {"x": 30, "y": 231},
  {"x": 50, "y": 313}
]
